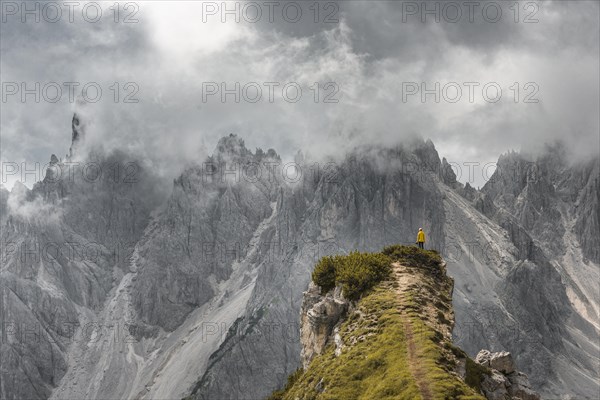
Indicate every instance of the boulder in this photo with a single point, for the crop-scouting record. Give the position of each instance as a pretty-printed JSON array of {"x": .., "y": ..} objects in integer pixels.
[
  {"x": 520, "y": 387},
  {"x": 495, "y": 386},
  {"x": 501, "y": 361},
  {"x": 504, "y": 382}
]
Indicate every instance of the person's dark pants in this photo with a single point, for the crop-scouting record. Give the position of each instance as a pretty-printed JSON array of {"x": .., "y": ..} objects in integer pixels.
[{"x": 421, "y": 245}]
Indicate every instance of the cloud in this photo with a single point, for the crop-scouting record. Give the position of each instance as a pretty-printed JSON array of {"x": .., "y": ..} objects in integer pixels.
[
  {"x": 32, "y": 211},
  {"x": 370, "y": 55}
]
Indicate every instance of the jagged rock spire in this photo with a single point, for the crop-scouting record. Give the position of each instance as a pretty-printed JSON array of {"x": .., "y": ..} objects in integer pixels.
[{"x": 77, "y": 134}]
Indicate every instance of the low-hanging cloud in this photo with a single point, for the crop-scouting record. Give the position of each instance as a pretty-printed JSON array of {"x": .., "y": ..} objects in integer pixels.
[
  {"x": 34, "y": 211},
  {"x": 370, "y": 56}
]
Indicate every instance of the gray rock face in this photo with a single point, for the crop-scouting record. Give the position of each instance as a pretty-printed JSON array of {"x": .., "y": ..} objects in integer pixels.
[
  {"x": 337, "y": 212},
  {"x": 539, "y": 203},
  {"x": 504, "y": 382},
  {"x": 319, "y": 316},
  {"x": 210, "y": 285},
  {"x": 508, "y": 293},
  {"x": 495, "y": 387},
  {"x": 501, "y": 361},
  {"x": 548, "y": 195},
  {"x": 3, "y": 204},
  {"x": 61, "y": 245},
  {"x": 586, "y": 180},
  {"x": 520, "y": 387},
  {"x": 205, "y": 227}
]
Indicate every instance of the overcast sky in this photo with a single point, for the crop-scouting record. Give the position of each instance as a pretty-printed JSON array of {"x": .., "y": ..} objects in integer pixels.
[{"x": 372, "y": 57}]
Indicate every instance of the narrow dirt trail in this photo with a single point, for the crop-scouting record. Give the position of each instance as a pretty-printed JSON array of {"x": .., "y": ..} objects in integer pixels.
[{"x": 405, "y": 279}]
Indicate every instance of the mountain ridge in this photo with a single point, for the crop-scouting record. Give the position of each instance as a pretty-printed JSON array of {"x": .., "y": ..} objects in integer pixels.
[
  {"x": 234, "y": 252},
  {"x": 393, "y": 341}
]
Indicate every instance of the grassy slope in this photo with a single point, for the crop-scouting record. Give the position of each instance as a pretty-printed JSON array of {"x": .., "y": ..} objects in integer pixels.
[{"x": 397, "y": 341}]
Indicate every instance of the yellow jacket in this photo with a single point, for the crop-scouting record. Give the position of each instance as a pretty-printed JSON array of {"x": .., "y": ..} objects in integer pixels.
[{"x": 421, "y": 236}]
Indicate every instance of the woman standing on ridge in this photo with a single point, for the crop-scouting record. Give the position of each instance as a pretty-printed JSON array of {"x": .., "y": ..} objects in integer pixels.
[{"x": 421, "y": 238}]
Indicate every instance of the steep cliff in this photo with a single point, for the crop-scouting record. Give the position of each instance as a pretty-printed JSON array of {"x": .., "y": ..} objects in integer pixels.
[
  {"x": 199, "y": 293},
  {"x": 394, "y": 340},
  {"x": 370, "y": 199},
  {"x": 64, "y": 245},
  {"x": 546, "y": 208}
]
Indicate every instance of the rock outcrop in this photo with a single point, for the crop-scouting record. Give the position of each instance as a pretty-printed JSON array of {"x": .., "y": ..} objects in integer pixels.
[
  {"x": 329, "y": 322},
  {"x": 393, "y": 341},
  {"x": 504, "y": 382},
  {"x": 501, "y": 361},
  {"x": 320, "y": 315}
]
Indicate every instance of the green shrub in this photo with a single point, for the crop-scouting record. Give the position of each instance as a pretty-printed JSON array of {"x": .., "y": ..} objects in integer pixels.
[
  {"x": 356, "y": 272},
  {"x": 359, "y": 272},
  {"x": 412, "y": 256},
  {"x": 324, "y": 273}
]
